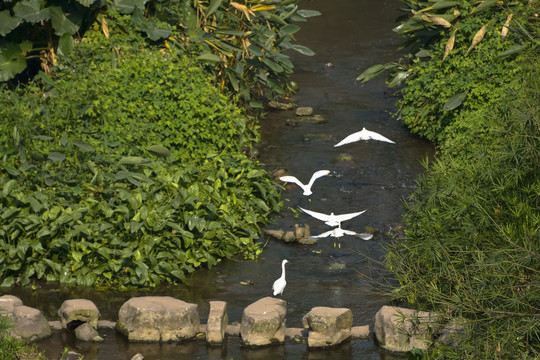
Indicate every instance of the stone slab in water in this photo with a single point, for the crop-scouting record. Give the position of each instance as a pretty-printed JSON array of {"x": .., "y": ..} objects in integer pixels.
[
  {"x": 218, "y": 320},
  {"x": 328, "y": 326},
  {"x": 73, "y": 312},
  {"x": 263, "y": 322}
]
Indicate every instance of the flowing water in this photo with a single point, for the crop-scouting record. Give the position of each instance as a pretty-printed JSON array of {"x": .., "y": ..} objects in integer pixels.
[{"x": 350, "y": 36}]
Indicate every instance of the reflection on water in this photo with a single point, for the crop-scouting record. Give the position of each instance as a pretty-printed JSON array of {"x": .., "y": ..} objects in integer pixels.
[{"x": 351, "y": 35}]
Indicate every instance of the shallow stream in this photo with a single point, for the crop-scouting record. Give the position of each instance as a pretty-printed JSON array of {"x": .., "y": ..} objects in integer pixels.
[{"x": 350, "y": 36}]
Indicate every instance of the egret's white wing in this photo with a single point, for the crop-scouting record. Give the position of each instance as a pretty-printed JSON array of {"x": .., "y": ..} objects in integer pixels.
[
  {"x": 337, "y": 233},
  {"x": 364, "y": 134},
  {"x": 316, "y": 175},
  {"x": 344, "y": 217},
  {"x": 293, "y": 179},
  {"x": 324, "y": 234},
  {"x": 376, "y": 136},
  {"x": 316, "y": 215}
]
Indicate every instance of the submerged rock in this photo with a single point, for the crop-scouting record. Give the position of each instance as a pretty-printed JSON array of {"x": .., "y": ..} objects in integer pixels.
[
  {"x": 86, "y": 332},
  {"x": 312, "y": 119},
  {"x": 280, "y": 106},
  {"x": 300, "y": 235},
  {"x": 304, "y": 110}
]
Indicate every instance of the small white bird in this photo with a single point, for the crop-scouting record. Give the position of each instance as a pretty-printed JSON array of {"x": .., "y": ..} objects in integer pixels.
[
  {"x": 364, "y": 134},
  {"x": 336, "y": 232},
  {"x": 332, "y": 220},
  {"x": 279, "y": 284},
  {"x": 306, "y": 188}
]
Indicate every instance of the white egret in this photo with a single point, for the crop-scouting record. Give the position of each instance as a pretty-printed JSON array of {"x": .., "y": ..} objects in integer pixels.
[
  {"x": 336, "y": 232},
  {"x": 306, "y": 188},
  {"x": 364, "y": 134},
  {"x": 279, "y": 284},
  {"x": 332, "y": 220}
]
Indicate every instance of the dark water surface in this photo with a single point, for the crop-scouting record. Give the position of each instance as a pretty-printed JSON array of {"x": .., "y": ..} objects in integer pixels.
[{"x": 351, "y": 35}]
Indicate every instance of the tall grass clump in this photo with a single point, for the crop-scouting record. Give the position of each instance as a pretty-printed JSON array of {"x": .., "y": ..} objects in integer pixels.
[{"x": 472, "y": 231}]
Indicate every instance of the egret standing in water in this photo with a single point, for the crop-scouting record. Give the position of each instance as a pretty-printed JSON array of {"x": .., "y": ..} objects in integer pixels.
[
  {"x": 279, "y": 284},
  {"x": 364, "y": 134},
  {"x": 306, "y": 188}
]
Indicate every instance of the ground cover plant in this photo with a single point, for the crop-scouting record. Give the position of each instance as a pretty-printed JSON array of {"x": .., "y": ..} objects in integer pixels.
[
  {"x": 460, "y": 55},
  {"x": 13, "y": 349},
  {"x": 125, "y": 167},
  {"x": 472, "y": 230}
]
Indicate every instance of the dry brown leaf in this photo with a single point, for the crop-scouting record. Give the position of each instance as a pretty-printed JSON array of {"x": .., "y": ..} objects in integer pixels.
[
  {"x": 104, "y": 27},
  {"x": 439, "y": 21},
  {"x": 244, "y": 9},
  {"x": 506, "y": 26},
  {"x": 477, "y": 38},
  {"x": 449, "y": 44}
]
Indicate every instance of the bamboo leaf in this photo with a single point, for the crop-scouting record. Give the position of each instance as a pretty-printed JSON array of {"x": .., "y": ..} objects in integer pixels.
[
  {"x": 57, "y": 156},
  {"x": 449, "y": 44},
  {"x": 214, "y": 5},
  {"x": 506, "y": 26},
  {"x": 83, "y": 146},
  {"x": 308, "y": 13},
  {"x": 304, "y": 50},
  {"x": 513, "y": 50},
  {"x": 159, "y": 150},
  {"x": 477, "y": 38}
]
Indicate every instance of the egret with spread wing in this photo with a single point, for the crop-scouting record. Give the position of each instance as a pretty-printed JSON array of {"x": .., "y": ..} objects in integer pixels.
[
  {"x": 306, "y": 188},
  {"x": 364, "y": 134},
  {"x": 332, "y": 220}
]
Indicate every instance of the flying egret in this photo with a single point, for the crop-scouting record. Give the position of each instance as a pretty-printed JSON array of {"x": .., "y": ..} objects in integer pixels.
[
  {"x": 336, "y": 232},
  {"x": 279, "y": 284},
  {"x": 332, "y": 220},
  {"x": 306, "y": 188},
  {"x": 364, "y": 134}
]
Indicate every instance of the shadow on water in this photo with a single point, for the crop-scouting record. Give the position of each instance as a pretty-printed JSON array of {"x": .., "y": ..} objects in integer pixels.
[{"x": 351, "y": 35}]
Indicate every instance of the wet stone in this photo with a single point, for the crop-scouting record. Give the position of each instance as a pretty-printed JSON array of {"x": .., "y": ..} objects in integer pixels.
[
  {"x": 263, "y": 322},
  {"x": 158, "y": 318},
  {"x": 218, "y": 320},
  {"x": 360, "y": 332},
  {"x": 73, "y": 312},
  {"x": 328, "y": 326},
  {"x": 280, "y": 106},
  {"x": 313, "y": 119},
  {"x": 401, "y": 330},
  {"x": 304, "y": 110},
  {"x": 86, "y": 332},
  {"x": 29, "y": 324}
]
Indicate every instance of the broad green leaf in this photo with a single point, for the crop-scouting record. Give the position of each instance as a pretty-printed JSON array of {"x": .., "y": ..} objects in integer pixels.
[
  {"x": 308, "y": 13},
  {"x": 42, "y": 137},
  {"x": 159, "y": 150},
  {"x": 12, "y": 61},
  {"x": 375, "y": 71},
  {"x": 209, "y": 57},
  {"x": 31, "y": 11},
  {"x": 398, "y": 79},
  {"x": 255, "y": 50},
  {"x": 214, "y": 4},
  {"x": 8, "y": 187},
  {"x": 83, "y": 146},
  {"x": 7, "y": 22},
  {"x": 454, "y": 101},
  {"x": 86, "y": 3},
  {"x": 513, "y": 50},
  {"x": 486, "y": 4},
  {"x": 46, "y": 78},
  {"x": 289, "y": 29},
  {"x": 232, "y": 32},
  {"x": 134, "y": 160},
  {"x": 64, "y": 139},
  {"x": 444, "y": 4},
  {"x": 65, "y": 44},
  {"x": 256, "y": 104},
  {"x": 272, "y": 65},
  {"x": 60, "y": 23},
  {"x": 57, "y": 156},
  {"x": 304, "y": 50},
  {"x": 8, "y": 282},
  {"x": 154, "y": 30},
  {"x": 128, "y": 6}
]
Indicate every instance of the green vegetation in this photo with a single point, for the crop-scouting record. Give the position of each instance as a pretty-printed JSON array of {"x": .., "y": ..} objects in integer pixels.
[
  {"x": 471, "y": 245},
  {"x": 13, "y": 349},
  {"x": 125, "y": 167},
  {"x": 240, "y": 43}
]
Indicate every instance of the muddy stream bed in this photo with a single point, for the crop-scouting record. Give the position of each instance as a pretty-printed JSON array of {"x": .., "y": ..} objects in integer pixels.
[{"x": 350, "y": 36}]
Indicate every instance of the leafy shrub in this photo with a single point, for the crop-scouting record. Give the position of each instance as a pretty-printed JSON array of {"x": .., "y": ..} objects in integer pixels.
[
  {"x": 127, "y": 170},
  {"x": 472, "y": 241},
  {"x": 460, "y": 58},
  {"x": 243, "y": 43}
]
